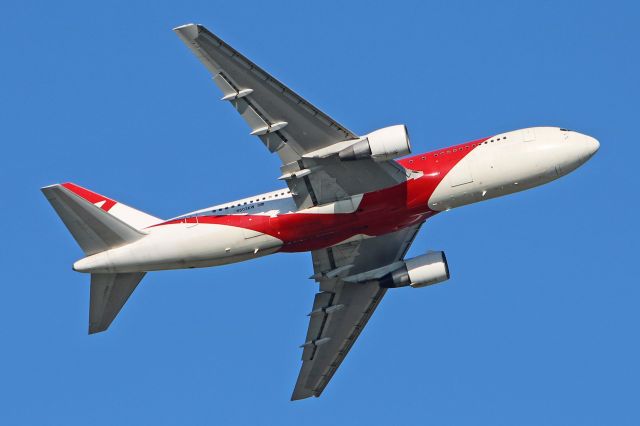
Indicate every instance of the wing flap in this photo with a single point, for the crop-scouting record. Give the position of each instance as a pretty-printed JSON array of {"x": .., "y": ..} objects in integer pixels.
[
  {"x": 316, "y": 324},
  {"x": 336, "y": 330},
  {"x": 289, "y": 125},
  {"x": 342, "y": 309},
  {"x": 308, "y": 128}
]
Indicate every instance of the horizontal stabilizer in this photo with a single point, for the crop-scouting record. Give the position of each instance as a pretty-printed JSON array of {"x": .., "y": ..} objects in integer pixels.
[{"x": 109, "y": 293}]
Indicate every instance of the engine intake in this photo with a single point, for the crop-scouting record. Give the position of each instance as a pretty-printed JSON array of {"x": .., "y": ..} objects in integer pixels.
[
  {"x": 383, "y": 144},
  {"x": 420, "y": 271}
]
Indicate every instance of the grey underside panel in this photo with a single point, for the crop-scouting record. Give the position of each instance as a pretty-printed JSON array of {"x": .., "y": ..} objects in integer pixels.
[
  {"x": 94, "y": 229},
  {"x": 341, "y": 310},
  {"x": 109, "y": 293},
  {"x": 335, "y": 180}
]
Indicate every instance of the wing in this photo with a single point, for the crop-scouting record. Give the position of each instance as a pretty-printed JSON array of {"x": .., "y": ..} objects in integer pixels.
[
  {"x": 341, "y": 309},
  {"x": 289, "y": 125}
]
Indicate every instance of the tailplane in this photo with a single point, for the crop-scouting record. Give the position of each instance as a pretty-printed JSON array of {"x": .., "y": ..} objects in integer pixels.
[
  {"x": 99, "y": 223},
  {"x": 109, "y": 292}
]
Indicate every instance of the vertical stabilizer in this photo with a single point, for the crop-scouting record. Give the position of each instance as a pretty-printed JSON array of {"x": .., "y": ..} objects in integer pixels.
[
  {"x": 97, "y": 223},
  {"x": 135, "y": 218}
]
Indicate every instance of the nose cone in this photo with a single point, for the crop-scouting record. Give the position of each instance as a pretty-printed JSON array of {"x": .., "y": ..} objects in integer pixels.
[
  {"x": 573, "y": 150},
  {"x": 589, "y": 146}
]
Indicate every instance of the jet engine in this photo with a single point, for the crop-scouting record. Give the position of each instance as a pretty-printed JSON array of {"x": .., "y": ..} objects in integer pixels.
[
  {"x": 421, "y": 271},
  {"x": 383, "y": 144}
]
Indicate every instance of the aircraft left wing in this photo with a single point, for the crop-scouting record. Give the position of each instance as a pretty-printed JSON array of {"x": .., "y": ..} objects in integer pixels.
[
  {"x": 290, "y": 126},
  {"x": 341, "y": 309}
]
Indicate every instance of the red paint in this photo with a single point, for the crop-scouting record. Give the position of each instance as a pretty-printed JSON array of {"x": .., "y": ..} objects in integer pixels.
[
  {"x": 90, "y": 196},
  {"x": 380, "y": 212}
]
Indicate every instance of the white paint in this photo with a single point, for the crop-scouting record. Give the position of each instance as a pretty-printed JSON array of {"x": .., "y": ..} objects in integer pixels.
[
  {"x": 427, "y": 269},
  {"x": 267, "y": 204},
  {"x": 133, "y": 217},
  {"x": 177, "y": 246},
  {"x": 385, "y": 144},
  {"x": 512, "y": 162},
  {"x": 349, "y": 205},
  {"x": 389, "y": 142}
]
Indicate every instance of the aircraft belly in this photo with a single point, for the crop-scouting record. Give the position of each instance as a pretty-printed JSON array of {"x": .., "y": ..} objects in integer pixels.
[{"x": 178, "y": 246}]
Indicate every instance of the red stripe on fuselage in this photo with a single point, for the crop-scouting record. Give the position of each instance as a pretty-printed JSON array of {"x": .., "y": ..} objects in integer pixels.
[{"x": 380, "y": 212}]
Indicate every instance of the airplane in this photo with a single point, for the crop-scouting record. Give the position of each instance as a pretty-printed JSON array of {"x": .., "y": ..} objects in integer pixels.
[{"x": 350, "y": 200}]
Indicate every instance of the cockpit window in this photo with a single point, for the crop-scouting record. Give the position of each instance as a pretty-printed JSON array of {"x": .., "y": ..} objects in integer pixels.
[{"x": 565, "y": 130}]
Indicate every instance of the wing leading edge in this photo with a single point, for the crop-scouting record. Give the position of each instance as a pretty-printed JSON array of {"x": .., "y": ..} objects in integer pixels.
[
  {"x": 281, "y": 118},
  {"x": 289, "y": 125}
]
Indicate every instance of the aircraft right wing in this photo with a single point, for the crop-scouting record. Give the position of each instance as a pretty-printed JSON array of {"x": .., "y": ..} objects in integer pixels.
[
  {"x": 342, "y": 309},
  {"x": 288, "y": 125}
]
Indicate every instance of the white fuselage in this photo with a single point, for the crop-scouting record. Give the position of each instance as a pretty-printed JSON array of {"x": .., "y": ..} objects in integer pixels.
[
  {"x": 253, "y": 227},
  {"x": 511, "y": 162}
]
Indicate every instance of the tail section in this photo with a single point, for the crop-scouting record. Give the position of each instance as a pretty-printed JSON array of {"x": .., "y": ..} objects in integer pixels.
[
  {"x": 98, "y": 223},
  {"x": 132, "y": 217},
  {"x": 109, "y": 293}
]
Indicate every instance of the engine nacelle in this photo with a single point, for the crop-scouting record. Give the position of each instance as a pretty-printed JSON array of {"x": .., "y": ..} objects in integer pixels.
[
  {"x": 383, "y": 144},
  {"x": 420, "y": 271}
]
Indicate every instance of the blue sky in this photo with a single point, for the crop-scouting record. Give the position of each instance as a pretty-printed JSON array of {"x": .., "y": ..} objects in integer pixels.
[{"x": 539, "y": 322}]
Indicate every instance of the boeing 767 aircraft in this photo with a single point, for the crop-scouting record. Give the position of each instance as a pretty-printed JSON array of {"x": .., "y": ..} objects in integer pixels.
[{"x": 350, "y": 201}]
